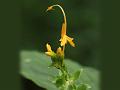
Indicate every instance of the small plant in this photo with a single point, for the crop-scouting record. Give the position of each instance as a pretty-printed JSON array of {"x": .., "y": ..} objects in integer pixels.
[
  {"x": 65, "y": 74},
  {"x": 65, "y": 80}
]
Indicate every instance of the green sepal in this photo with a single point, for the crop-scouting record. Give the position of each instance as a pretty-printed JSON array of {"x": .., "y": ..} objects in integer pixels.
[{"x": 57, "y": 61}]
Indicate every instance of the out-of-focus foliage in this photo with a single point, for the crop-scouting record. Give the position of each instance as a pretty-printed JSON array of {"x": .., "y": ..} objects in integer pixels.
[
  {"x": 34, "y": 66},
  {"x": 40, "y": 27}
]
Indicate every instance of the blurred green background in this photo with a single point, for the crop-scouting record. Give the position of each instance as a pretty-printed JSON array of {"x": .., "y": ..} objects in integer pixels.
[{"x": 83, "y": 20}]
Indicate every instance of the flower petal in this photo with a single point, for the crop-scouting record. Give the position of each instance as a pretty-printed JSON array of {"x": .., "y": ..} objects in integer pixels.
[
  {"x": 48, "y": 48},
  {"x": 59, "y": 50},
  {"x": 63, "y": 31},
  {"x": 72, "y": 43},
  {"x": 49, "y": 53},
  {"x": 70, "y": 40},
  {"x": 63, "y": 40}
]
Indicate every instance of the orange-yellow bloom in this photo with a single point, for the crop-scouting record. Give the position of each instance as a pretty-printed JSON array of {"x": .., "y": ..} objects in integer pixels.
[
  {"x": 49, "y": 50},
  {"x": 60, "y": 52},
  {"x": 64, "y": 38}
]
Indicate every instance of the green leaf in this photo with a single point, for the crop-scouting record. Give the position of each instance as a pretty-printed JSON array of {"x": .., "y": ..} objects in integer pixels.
[
  {"x": 76, "y": 75},
  {"x": 34, "y": 66},
  {"x": 59, "y": 82},
  {"x": 82, "y": 87},
  {"x": 71, "y": 87}
]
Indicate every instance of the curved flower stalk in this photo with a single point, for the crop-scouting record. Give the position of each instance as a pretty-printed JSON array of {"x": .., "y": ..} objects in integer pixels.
[
  {"x": 64, "y": 38},
  {"x": 64, "y": 81}
]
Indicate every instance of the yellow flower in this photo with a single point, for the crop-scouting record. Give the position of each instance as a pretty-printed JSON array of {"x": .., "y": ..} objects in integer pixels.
[
  {"x": 64, "y": 38},
  {"x": 60, "y": 52},
  {"x": 49, "y": 50}
]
